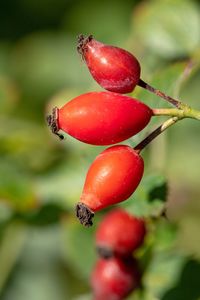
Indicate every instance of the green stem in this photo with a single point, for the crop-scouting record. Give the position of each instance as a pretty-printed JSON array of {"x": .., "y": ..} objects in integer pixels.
[
  {"x": 180, "y": 112},
  {"x": 173, "y": 112},
  {"x": 176, "y": 114},
  {"x": 184, "y": 112}
]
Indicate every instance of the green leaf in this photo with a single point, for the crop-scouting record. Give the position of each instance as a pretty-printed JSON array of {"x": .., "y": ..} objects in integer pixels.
[
  {"x": 160, "y": 261},
  {"x": 149, "y": 198},
  {"x": 187, "y": 287},
  {"x": 164, "y": 269},
  {"x": 170, "y": 28},
  {"x": 164, "y": 235}
]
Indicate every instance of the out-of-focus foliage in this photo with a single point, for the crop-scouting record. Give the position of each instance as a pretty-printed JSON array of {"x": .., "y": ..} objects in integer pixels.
[
  {"x": 169, "y": 28},
  {"x": 44, "y": 252},
  {"x": 149, "y": 198}
]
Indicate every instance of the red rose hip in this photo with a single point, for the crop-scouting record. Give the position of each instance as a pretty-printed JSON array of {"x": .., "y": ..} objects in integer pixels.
[
  {"x": 119, "y": 233},
  {"x": 101, "y": 118},
  {"x": 115, "y": 69},
  {"x": 113, "y": 177},
  {"x": 114, "y": 279}
]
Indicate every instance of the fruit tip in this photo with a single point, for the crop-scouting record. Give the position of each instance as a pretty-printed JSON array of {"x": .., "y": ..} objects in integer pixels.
[
  {"x": 84, "y": 214},
  {"x": 82, "y": 43},
  {"x": 52, "y": 122}
]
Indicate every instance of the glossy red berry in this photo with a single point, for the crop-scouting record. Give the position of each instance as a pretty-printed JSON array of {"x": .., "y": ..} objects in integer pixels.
[
  {"x": 101, "y": 118},
  {"x": 114, "y": 279},
  {"x": 113, "y": 177},
  {"x": 119, "y": 233},
  {"x": 115, "y": 69}
]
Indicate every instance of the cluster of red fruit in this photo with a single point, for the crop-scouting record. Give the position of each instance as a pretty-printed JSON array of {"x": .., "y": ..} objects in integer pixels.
[
  {"x": 116, "y": 273},
  {"x": 106, "y": 118}
]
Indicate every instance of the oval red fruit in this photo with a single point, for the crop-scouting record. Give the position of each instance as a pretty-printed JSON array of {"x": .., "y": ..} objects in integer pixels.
[
  {"x": 113, "y": 177},
  {"x": 114, "y": 68},
  {"x": 114, "y": 279},
  {"x": 119, "y": 233},
  {"x": 101, "y": 118}
]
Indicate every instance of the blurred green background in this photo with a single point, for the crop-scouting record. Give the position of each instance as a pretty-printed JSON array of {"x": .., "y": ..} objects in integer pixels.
[{"x": 44, "y": 253}]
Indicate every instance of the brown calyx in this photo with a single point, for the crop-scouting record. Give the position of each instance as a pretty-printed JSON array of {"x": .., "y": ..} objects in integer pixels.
[
  {"x": 84, "y": 214},
  {"x": 52, "y": 121},
  {"x": 104, "y": 252},
  {"x": 82, "y": 44}
]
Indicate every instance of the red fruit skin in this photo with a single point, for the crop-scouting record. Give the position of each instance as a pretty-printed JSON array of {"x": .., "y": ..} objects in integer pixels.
[
  {"x": 113, "y": 177},
  {"x": 115, "y": 69},
  {"x": 120, "y": 233},
  {"x": 103, "y": 118},
  {"x": 114, "y": 279}
]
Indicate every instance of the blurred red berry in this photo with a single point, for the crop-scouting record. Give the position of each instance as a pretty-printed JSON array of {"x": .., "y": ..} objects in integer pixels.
[
  {"x": 113, "y": 177},
  {"x": 101, "y": 118},
  {"x": 119, "y": 233},
  {"x": 114, "y": 278},
  {"x": 115, "y": 69}
]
